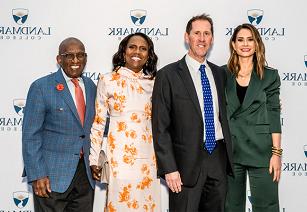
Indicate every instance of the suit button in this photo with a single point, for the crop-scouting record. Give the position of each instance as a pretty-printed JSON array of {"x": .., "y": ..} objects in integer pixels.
[{"x": 82, "y": 136}]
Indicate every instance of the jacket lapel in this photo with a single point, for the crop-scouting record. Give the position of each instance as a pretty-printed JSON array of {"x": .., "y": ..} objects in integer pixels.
[
  {"x": 88, "y": 100},
  {"x": 65, "y": 94},
  {"x": 218, "y": 84},
  {"x": 252, "y": 90},
  {"x": 188, "y": 82},
  {"x": 231, "y": 95}
]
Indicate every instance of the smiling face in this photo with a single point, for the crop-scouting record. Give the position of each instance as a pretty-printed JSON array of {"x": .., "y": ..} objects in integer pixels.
[
  {"x": 244, "y": 43},
  {"x": 199, "y": 39},
  {"x": 73, "y": 67},
  {"x": 136, "y": 53}
]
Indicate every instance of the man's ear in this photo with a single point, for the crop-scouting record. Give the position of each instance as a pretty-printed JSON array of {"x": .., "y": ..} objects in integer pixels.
[
  {"x": 186, "y": 38},
  {"x": 59, "y": 59}
]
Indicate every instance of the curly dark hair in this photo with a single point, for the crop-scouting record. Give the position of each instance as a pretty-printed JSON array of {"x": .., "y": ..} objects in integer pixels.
[{"x": 150, "y": 68}]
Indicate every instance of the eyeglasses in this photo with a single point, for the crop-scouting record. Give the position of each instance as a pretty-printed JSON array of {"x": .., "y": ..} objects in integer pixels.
[{"x": 71, "y": 56}]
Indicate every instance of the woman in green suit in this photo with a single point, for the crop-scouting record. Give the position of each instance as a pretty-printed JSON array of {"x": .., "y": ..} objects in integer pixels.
[{"x": 253, "y": 109}]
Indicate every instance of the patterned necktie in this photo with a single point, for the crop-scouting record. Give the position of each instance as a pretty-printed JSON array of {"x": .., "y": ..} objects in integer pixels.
[
  {"x": 79, "y": 100},
  {"x": 210, "y": 142}
]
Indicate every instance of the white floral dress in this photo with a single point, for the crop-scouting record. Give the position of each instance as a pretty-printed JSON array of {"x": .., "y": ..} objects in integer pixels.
[{"x": 126, "y": 97}]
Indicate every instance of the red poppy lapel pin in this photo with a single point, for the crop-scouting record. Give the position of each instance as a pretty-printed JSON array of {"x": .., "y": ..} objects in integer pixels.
[{"x": 60, "y": 87}]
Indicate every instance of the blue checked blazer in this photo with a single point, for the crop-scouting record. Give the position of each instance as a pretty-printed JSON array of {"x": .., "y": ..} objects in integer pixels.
[{"x": 52, "y": 134}]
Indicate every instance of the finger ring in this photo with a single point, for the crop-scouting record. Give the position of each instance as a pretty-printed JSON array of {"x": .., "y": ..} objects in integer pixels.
[{"x": 36, "y": 192}]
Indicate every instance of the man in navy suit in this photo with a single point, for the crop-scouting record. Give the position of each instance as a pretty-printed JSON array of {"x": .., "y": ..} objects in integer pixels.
[
  {"x": 195, "y": 175},
  {"x": 55, "y": 134}
]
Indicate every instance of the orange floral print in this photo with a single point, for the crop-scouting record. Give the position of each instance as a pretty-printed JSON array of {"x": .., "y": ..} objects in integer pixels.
[
  {"x": 121, "y": 126},
  {"x": 99, "y": 120},
  {"x": 132, "y": 87},
  {"x": 146, "y": 182},
  {"x": 154, "y": 160},
  {"x": 148, "y": 111},
  {"x": 124, "y": 196},
  {"x": 133, "y": 134},
  {"x": 111, "y": 142},
  {"x": 115, "y": 76},
  {"x": 124, "y": 83},
  {"x": 140, "y": 90},
  {"x": 111, "y": 207},
  {"x": 130, "y": 154},
  {"x": 145, "y": 169},
  {"x": 134, "y": 117},
  {"x": 150, "y": 206},
  {"x": 150, "y": 138},
  {"x": 113, "y": 162},
  {"x": 133, "y": 204},
  {"x": 117, "y": 107},
  {"x": 144, "y": 137},
  {"x": 119, "y": 104}
]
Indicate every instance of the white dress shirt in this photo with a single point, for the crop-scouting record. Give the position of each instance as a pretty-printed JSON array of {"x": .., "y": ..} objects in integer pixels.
[
  {"x": 71, "y": 86},
  {"x": 193, "y": 66}
]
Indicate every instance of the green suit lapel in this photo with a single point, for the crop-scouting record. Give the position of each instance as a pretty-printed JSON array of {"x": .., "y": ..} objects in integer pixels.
[{"x": 252, "y": 91}]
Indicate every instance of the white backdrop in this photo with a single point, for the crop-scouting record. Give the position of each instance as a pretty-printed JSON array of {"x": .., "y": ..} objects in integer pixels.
[{"x": 28, "y": 49}]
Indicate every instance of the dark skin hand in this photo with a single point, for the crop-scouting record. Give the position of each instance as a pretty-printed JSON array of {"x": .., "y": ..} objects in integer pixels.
[
  {"x": 41, "y": 187},
  {"x": 96, "y": 172}
]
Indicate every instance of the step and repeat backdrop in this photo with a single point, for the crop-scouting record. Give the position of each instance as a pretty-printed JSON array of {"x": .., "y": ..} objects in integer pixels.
[{"x": 30, "y": 32}]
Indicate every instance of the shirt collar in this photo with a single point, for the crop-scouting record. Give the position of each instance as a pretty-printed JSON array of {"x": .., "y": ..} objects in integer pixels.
[
  {"x": 194, "y": 63},
  {"x": 68, "y": 79}
]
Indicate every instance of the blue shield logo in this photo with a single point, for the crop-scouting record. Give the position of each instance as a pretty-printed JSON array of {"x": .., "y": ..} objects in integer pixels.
[
  {"x": 20, "y": 15},
  {"x": 255, "y": 16},
  {"x": 19, "y": 106},
  {"x": 138, "y": 16},
  {"x": 305, "y": 150},
  {"x": 21, "y": 198},
  {"x": 305, "y": 60}
]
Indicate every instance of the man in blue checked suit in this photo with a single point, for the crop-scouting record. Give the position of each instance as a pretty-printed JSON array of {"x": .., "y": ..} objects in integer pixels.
[{"x": 59, "y": 112}]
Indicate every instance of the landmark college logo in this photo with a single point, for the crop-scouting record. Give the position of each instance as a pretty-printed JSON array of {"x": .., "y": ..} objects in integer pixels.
[
  {"x": 255, "y": 16},
  {"x": 21, "y": 198},
  {"x": 21, "y": 29},
  {"x": 19, "y": 106},
  {"x": 138, "y": 16},
  {"x": 137, "y": 23},
  {"x": 268, "y": 33},
  {"x": 20, "y": 15}
]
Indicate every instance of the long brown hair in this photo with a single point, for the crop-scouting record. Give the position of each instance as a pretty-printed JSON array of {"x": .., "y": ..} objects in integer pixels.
[{"x": 259, "y": 55}]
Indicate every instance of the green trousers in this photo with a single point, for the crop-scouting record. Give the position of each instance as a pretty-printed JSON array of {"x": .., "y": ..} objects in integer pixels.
[{"x": 264, "y": 192}]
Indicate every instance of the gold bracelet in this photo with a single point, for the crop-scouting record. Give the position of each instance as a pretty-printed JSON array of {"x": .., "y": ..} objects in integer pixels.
[{"x": 277, "y": 151}]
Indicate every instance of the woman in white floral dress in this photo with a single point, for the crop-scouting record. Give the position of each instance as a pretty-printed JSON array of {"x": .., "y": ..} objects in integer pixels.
[{"x": 125, "y": 96}]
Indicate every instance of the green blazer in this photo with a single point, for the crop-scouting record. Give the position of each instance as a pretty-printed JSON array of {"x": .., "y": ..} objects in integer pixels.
[{"x": 253, "y": 122}]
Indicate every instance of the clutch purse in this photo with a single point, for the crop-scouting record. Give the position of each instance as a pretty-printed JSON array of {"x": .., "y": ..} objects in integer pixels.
[{"x": 105, "y": 170}]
